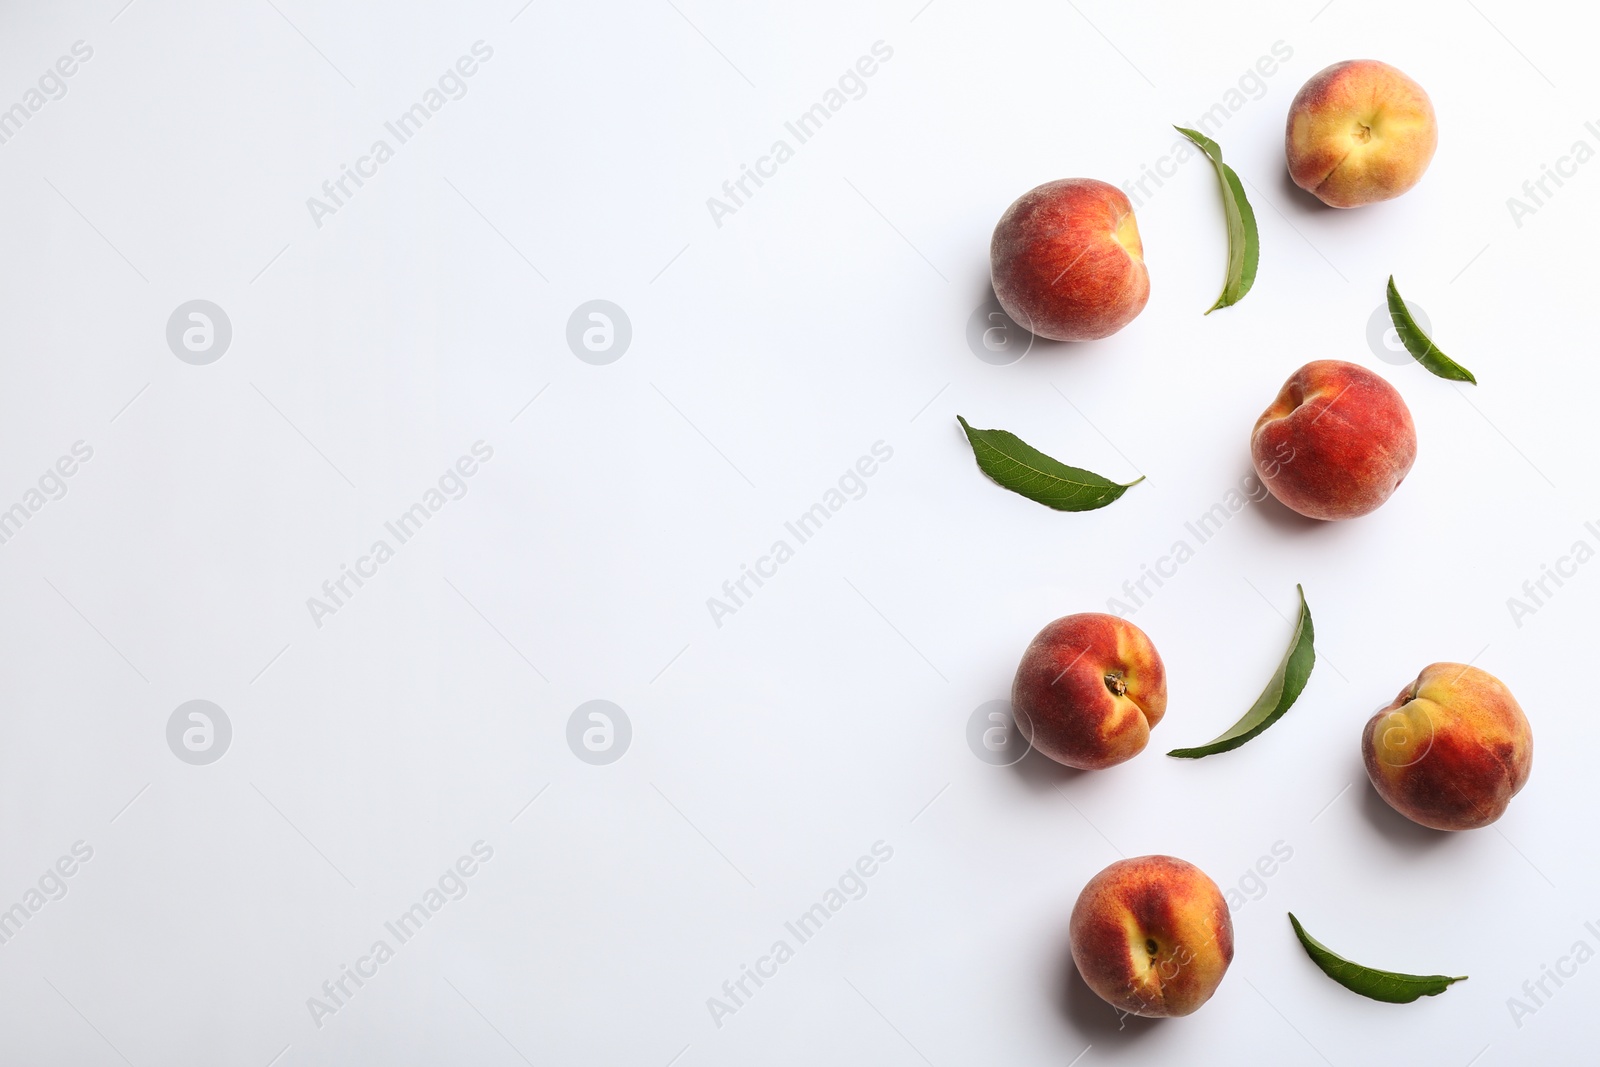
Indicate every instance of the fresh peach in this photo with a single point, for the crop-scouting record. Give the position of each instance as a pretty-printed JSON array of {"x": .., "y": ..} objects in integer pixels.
[
  {"x": 1066, "y": 261},
  {"x": 1359, "y": 132},
  {"x": 1452, "y": 750},
  {"x": 1088, "y": 691},
  {"x": 1152, "y": 936},
  {"x": 1336, "y": 442}
]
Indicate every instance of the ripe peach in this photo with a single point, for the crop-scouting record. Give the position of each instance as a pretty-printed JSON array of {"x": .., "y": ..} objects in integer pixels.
[
  {"x": 1088, "y": 690},
  {"x": 1152, "y": 936},
  {"x": 1452, "y": 750},
  {"x": 1066, "y": 261},
  {"x": 1359, "y": 132},
  {"x": 1336, "y": 442}
]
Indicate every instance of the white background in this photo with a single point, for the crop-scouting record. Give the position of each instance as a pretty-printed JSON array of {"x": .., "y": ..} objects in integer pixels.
[{"x": 768, "y": 354}]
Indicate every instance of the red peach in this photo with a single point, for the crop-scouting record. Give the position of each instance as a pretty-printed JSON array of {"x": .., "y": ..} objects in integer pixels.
[
  {"x": 1359, "y": 132},
  {"x": 1336, "y": 442},
  {"x": 1067, "y": 263},
  {"x": 1088, "y": 690},
  {"x": 1152, "y": 936},
  {"x": 1452, "y": 750}
]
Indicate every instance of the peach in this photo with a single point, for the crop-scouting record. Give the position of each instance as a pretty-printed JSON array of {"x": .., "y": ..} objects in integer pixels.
[
  {"x": 1359, "y": 132},
  {"x": 1452, "y": 750},
  {"x": 1336, "y": 442},
  {"x": 1088, "y": 690},
  {"x": 1152, "y": 936},
  {"x": 1066, "y": 261}
]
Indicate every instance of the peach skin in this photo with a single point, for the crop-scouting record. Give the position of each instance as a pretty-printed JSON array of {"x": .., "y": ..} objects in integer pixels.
[
  {"x": 1359, "y": 132},
  {"x": 1452, "y": 750},
  {"x": 1152, "y": 936},
  {"x": 1088, "y": 691},
  {"x": 1336, "y": 442},
  {"x": 1067, "y": 263}
]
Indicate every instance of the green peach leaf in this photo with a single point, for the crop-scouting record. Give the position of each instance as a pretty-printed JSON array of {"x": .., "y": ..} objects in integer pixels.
[
  {"x": 1014, "y": 464},
  {"x": 1280, "y": 694},
  {"x": 1420, "y": 345},
  {"x": 1244, "y": 243},
  {"x": 1391, "y": 987}
]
